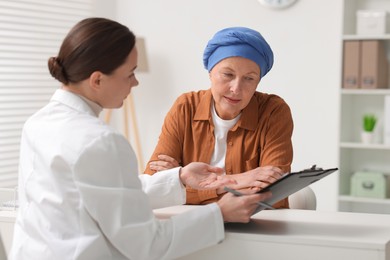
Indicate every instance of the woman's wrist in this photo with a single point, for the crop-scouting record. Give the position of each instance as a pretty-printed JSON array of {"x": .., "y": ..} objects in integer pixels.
[{"x": 220, "y": 191}]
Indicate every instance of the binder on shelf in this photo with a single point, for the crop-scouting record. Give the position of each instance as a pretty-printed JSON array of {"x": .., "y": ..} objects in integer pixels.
[
  {"x": 351, "y": 64},
  {"x": 386, "y": 122},
  {"x": 374, "y": 65}
]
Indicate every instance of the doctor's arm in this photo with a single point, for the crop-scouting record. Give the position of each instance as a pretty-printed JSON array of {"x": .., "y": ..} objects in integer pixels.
[
  {"x": 165, "y": 188},
  {"x": 111, "y": 193}
]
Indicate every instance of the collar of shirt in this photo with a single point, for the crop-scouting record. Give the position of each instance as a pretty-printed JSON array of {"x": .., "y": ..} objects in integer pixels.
[
  {"x": 222, "y": 123},
  {"x": 73, "y": 100},
  {"x": 94, "y": 106}
]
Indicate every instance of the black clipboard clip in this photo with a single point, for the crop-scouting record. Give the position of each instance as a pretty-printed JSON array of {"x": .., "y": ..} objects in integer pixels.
[{"x": 313, "y": 168}]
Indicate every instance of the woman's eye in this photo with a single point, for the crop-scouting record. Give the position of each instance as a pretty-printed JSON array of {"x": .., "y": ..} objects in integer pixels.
[{"x": 228, "y": 75}]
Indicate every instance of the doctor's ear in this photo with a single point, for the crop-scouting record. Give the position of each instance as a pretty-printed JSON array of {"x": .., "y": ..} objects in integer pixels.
[{"x": 95, "y": 80}]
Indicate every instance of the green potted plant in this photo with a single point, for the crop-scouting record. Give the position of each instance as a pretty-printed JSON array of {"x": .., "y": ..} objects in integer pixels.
[{"x": 369, "y": 123}]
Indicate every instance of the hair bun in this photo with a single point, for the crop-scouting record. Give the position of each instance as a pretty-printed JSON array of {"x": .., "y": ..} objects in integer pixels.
[{"x": 57, "y": 71}]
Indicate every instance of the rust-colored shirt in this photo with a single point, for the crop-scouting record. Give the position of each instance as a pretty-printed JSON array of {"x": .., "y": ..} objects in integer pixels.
[{"x": 261, "y": 137}]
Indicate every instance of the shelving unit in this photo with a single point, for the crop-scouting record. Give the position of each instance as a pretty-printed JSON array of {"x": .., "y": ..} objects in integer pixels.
[{"x": 353, "y": 154}]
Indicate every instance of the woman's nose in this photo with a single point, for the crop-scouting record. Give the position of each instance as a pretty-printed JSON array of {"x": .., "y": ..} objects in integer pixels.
[
  {"x": 235, "y": 85},
  {"x": 135, "y": 83}
]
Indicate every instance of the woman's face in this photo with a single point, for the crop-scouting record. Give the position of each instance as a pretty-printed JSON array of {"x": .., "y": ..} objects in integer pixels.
[
  {"x": 117, "y": 85},
  {"x": 233, "y": 82}
]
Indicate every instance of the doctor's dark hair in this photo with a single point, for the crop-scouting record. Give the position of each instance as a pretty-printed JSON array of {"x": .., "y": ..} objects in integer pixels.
[{"x": 93, "y": 44}]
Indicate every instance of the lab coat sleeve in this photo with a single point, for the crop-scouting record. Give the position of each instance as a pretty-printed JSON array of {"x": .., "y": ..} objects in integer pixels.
[
  {"x": 164, "y": 188},
  {"x": 111, "y": 192}
]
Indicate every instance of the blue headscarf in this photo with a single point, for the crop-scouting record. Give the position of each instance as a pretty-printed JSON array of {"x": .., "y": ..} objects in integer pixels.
[{"x": 241, "y": 42}]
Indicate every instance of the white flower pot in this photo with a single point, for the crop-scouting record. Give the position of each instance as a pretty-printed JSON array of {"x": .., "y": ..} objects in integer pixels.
[{"x": 367, "y": 137}]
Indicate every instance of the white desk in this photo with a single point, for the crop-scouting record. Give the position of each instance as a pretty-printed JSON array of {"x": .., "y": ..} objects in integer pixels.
[
  {"x": 284, "y": 234},
  {"x": 300, "y": 234}
]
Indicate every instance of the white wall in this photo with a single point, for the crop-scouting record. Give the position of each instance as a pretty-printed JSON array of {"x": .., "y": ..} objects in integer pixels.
[
  {"x": 306, "y": 40},
  {"x": 104, "y": 8}
]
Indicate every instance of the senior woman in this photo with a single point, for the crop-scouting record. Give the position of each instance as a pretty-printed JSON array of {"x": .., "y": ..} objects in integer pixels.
[{"x": 230, "y": 125}]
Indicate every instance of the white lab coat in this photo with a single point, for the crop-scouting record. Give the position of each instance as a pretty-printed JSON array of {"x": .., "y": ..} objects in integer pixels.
[{"x": 81, "y": 196}]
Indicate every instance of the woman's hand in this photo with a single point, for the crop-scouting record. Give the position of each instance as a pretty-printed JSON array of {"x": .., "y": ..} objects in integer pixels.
[
  {"x": 165, "y": 162},
  {"x": 254, "y": 180},
  {"x": 203, "y": 176},
  {"x": 240, "y": 208}
]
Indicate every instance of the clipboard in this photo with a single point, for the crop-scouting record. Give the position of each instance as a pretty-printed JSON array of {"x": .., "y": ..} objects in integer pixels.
[{"x": 289, "y": 184}]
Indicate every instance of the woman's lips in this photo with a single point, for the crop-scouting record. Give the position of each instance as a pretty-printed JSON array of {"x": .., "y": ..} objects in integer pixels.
[{"x": 233, "y": 100}]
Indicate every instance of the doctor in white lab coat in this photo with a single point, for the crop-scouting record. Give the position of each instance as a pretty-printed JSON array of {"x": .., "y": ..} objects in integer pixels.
[{"x": 80, "y": 194}]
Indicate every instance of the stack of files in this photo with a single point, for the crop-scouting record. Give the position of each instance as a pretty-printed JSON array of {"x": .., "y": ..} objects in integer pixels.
[
  {"x": 351, "y": 64},
  {"x": 365, "y": 64}
]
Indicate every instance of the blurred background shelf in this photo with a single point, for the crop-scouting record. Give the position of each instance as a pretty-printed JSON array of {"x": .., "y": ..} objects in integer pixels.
[{"x": 355, "y": 156}]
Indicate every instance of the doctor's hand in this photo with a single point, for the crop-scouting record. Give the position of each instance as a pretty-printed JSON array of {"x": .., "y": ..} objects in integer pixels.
[
  {"x": 165, "y": 162},
  {"x": 240, "y": 208},
  {"x": 254, "y": 180},
  {"x": 203, "y": 176}
]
